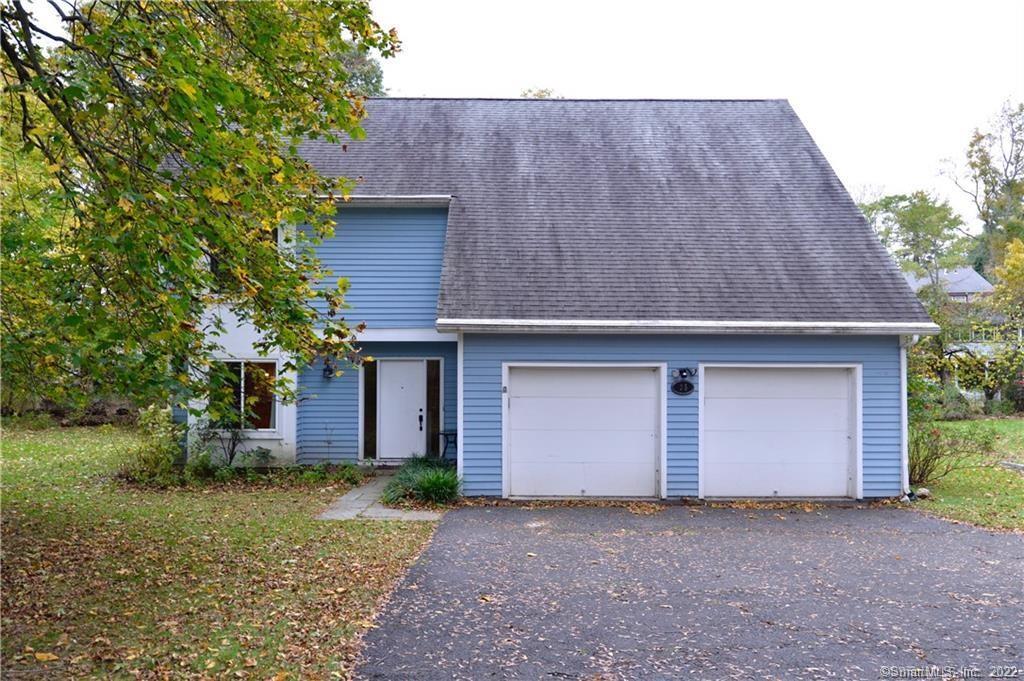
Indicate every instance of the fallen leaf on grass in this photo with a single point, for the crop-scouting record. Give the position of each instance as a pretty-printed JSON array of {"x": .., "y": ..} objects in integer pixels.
[{"x": 46, "y": 657}]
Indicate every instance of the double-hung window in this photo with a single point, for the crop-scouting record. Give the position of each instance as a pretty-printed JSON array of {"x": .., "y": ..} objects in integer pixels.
[{"x": 250, "y": 395}]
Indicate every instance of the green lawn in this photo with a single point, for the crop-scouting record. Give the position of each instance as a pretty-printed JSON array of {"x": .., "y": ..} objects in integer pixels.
[
  {"x": 989, "y": 496},
  {"x": 102, "y": 579}
]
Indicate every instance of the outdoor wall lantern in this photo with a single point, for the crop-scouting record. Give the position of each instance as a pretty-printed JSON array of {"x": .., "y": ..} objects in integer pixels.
[
  {"x": 330, "y": 367},
  {"x": 681, "y": 386}
]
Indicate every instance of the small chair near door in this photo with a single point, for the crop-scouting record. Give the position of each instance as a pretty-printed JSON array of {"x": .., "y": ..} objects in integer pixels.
[{"x": 451, "y": 437}]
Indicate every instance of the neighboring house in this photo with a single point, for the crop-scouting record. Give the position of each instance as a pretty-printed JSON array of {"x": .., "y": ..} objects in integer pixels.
[
  {"x": 608, "y": 298},
  {"x": 977, "y": 329},
  {"x": 963, "y": 284}
]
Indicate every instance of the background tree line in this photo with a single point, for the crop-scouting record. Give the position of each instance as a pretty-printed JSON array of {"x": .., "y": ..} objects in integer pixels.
[{"x": 926, "y": 236}]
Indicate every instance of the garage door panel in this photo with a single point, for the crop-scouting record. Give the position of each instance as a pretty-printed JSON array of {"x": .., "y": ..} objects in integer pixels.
[
  {"x": 554, "y": 479},
  {"x": 539, "y": 446},
  {"x": 571, "y": 479},
  {"x": 775, "y": 383},
  {"x": 779, "y": 448},
  {"x": 615, "y": 480},
  {"x": 581, "y": 381},
  {"x": 777, "y": 432},
  {"x": 583, "y": 431},
  {"x": 776, "y": 414},
  {"x": 763, "y": 480},
  {"x": 581, "y": 413}
]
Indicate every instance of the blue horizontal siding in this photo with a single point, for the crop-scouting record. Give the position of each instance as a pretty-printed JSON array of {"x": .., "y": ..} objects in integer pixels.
[
  {"x": 328, "y": 409},
  {"x": 392, "y": 259},
  {"x": 484, "y": 355}
]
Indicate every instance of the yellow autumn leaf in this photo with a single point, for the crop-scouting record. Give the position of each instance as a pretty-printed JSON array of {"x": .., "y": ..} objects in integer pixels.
[
  {"x": 124, "y": 204},
  {"x": 217, "y": 194},
  {"x": 279, "y": 177},
  {"x": 46, "y": 657},
  {"x": 187, "y": 88}
]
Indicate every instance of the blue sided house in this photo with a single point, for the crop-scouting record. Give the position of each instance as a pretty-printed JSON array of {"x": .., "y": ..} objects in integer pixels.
[{"x": 650, "y": 299}]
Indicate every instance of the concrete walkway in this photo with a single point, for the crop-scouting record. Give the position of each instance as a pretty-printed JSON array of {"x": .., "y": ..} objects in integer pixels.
[{"x": 364, "y": 502}]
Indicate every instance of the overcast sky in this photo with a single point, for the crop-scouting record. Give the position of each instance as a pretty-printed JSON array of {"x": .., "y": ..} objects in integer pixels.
[{"x": 890, "y": 89}]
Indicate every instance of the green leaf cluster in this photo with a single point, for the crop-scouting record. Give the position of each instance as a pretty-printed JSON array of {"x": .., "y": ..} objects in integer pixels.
[{"x": 148, "y": 142}]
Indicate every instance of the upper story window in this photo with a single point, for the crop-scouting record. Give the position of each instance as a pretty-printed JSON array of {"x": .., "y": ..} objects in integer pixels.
[{"x": 249, "y": 391}]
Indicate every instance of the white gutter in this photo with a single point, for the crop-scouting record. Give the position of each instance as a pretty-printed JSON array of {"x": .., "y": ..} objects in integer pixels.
[
  {"x": 408, "y": 335},
  {"x": 683, "y": 326},
  {"x": 392, "y": 200}
]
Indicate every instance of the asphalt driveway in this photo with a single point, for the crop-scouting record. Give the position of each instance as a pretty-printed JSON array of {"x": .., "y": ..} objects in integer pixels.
[{"x": 602, "y": 593}]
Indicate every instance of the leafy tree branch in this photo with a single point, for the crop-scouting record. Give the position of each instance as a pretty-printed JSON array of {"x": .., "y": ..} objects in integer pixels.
[{"x": 147, "y": 139}]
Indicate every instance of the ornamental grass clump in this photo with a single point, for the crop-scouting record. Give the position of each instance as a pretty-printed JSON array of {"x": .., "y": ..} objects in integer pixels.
[{"x": 421, "y": 480}]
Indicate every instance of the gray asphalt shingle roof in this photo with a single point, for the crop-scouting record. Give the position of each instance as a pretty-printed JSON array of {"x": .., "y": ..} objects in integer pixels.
[{"x": 629, "y": 210}]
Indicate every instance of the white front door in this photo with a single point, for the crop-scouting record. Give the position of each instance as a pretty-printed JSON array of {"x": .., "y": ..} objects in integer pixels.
[{"x": 402, "y": 408}]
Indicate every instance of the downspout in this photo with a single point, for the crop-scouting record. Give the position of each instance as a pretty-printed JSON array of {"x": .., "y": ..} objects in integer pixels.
[
  {"x": 905, "y": 342},
  {"x": 459, "y": 406}
]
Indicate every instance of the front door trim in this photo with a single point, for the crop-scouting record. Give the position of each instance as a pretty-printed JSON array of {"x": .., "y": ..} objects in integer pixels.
[{"x": 362, "y": 402}]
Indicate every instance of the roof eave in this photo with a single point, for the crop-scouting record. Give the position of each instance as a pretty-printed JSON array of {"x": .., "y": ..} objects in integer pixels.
[
  {"x": 676, "y": 326},
  {"x": 393, "y": 200}
]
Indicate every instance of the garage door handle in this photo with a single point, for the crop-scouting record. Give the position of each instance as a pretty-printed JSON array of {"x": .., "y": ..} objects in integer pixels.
[{"x": 421, "y": 422}]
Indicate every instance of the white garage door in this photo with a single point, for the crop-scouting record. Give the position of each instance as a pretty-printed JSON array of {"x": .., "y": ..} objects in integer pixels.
[
  {"x": 583, "y": 431},
  {"x": 783, "y": 432}
]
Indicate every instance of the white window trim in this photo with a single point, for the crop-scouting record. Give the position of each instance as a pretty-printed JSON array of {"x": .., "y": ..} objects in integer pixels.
[
  {"x": 360, "y": 443},
  {"x": 259, "y": 433},
  {"x": 857, "y": 370},
  {"x": 662, "y": 369}
]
